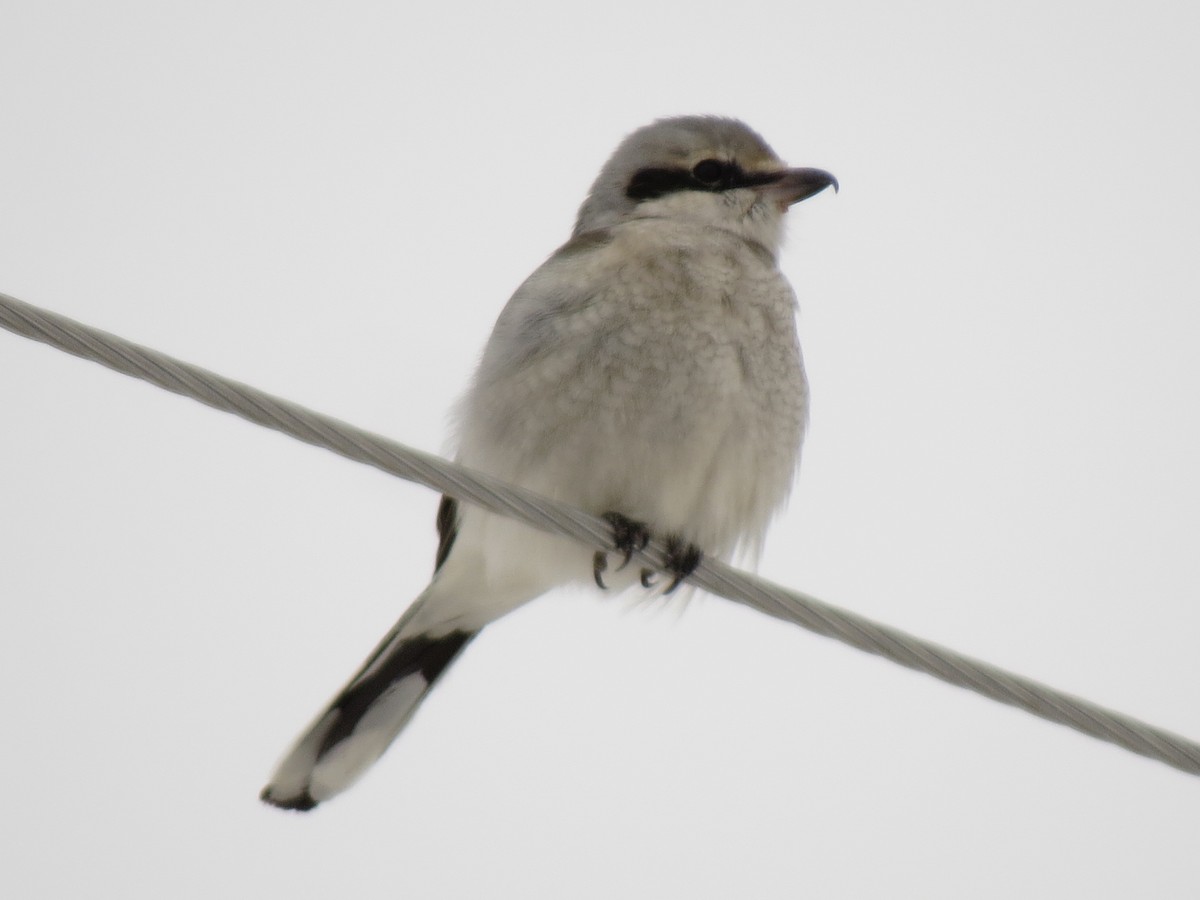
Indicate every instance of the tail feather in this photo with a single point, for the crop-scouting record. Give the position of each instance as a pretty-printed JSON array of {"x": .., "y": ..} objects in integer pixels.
[{"x": 360, "y": 723}]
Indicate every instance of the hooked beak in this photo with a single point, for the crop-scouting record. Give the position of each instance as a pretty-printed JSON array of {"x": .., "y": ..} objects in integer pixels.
[{"x": 794, "y": 185}]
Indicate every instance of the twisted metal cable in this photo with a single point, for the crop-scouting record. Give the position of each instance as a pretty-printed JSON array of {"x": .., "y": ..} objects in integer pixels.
[{"x": 548, "y": 515}]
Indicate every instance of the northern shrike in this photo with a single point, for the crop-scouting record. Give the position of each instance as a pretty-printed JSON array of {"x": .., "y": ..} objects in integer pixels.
[{"x": 649, "y": 371}]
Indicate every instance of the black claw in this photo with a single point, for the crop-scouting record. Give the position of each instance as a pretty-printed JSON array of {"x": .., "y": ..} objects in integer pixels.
[
  {"x": 629, "y": 536},
  {"x": 682, "y": 560},
  {"x": 599, "y": 565}
]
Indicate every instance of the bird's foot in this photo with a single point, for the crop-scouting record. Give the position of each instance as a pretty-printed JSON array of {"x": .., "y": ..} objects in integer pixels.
[
  {"x": 682, "y": 560},
  {"x": 628, "y": 537}
]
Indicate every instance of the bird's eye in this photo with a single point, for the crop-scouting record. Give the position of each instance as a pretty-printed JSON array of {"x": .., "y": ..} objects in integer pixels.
[{"x": 709, "y": 171}]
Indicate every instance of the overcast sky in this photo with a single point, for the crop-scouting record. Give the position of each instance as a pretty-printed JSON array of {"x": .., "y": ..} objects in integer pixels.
[{"x": 332, "y": 202}]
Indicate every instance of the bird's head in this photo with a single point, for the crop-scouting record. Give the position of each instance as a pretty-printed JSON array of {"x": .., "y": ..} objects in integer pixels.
[{"x": 702, "y": 169}]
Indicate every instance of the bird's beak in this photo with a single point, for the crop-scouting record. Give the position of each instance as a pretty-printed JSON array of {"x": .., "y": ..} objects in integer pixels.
[{"x": 794, "y": 185}]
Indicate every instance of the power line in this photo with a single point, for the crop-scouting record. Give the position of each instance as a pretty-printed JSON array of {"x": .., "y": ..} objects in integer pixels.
[{"x": 548, "y": 515}]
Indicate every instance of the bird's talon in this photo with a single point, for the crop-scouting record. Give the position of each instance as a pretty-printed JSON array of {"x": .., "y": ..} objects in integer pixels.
[
  {"x": 599, "y": 566},
  {"x": 682, "y": 560},
  {"x": 628, "y": 536}
]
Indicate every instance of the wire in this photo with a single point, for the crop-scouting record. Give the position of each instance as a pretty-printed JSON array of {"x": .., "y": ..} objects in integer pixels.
[{"x": 548, "y": 515}]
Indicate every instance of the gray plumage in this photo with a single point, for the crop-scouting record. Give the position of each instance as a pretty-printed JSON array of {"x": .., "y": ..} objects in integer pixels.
[{"x": 649, "y": 367}]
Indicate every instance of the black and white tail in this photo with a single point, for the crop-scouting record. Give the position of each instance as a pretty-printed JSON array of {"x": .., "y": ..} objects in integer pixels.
[{"x": 354, "y": 730}]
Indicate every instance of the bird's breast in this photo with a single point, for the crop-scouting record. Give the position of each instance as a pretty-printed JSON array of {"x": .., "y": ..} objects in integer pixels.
[{"x": 660, "y": 378}]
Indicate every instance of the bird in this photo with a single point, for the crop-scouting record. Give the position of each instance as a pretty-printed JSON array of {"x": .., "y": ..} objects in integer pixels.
[{"x": 649, "y": 371}]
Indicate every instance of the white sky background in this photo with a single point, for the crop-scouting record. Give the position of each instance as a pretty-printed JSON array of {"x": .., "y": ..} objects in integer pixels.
[{"x": 999, "y": 314}]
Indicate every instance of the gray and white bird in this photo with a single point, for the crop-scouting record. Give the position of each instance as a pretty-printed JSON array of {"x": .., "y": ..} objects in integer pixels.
[{"x": 648, "y": 371}]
